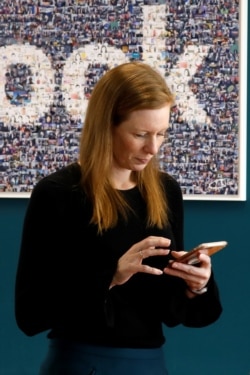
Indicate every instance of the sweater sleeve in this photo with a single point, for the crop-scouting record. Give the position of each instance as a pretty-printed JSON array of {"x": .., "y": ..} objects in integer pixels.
[
  {"x": 57, "y": 263},
  {"x": 200, "y": 311},
  {"x": 37, "y": 291},
  {"x": 178, "y": 308}
]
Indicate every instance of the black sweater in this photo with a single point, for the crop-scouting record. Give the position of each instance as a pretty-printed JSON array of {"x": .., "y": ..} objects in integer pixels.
[{"x": 65, "y": 269}]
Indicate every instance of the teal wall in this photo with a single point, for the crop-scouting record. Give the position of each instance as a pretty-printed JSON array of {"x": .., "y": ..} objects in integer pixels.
[
  {"x": 223, "y": 348},
  {"x": 220, "y": 349}
]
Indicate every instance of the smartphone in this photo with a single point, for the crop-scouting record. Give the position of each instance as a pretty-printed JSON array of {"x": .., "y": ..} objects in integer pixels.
[{"x": 208, "y": 248}]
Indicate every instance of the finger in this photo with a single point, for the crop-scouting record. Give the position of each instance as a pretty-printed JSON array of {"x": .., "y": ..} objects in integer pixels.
[
  {"x": 151, "y": 270},
  {"x": 153, "y": 241},
  {"x": 189, "y": 273},
  {"x": 201, "y": 259},
  {"x": 205, "y": 259},
  {"x": 187, "y": 268},
  {"x": 191, "y": 280},
  {"x": 152, "y": 252},
  {"x": 177, "y": 254}
]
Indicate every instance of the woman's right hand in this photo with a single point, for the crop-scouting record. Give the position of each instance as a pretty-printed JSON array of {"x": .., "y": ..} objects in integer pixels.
[{"x": 131, "y": 262}]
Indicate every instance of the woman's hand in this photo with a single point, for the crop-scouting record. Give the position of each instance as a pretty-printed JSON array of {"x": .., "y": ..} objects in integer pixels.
[
  {"x": 195, "y": 276},
  {"x": 131, "y": 262}
]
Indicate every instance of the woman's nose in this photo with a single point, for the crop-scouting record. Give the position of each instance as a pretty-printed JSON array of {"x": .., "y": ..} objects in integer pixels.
[{"x": 152, "y": 146}]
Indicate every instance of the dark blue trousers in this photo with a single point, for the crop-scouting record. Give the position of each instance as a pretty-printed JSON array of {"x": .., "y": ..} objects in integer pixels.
[{"x": 71, "y": 358}]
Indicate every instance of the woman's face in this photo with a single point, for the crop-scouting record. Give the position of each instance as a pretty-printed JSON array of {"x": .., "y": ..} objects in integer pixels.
[{"x": 138, "y": 139}]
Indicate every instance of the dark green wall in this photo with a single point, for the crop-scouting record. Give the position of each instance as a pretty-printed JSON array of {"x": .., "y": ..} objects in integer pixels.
[{"x": 223, "y": 348}]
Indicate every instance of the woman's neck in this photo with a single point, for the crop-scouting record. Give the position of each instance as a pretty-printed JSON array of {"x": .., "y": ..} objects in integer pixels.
[{"x": 123, "y": 181}]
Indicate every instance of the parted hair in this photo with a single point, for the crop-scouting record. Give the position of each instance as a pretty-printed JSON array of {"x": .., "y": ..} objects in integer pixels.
[{"x": 123, "y": 89}]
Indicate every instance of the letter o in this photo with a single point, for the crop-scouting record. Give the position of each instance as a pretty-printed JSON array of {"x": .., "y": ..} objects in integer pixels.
[
  {"x": 74, "y": 80},
  {"x": 39, "y": 63}
]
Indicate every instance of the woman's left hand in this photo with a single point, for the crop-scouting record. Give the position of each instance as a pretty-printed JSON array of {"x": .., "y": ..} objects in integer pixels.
[{"x": 195, "y": 276}]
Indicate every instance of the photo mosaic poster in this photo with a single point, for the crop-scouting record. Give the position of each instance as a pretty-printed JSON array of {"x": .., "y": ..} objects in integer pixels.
[{"x": 53, "y": 52}]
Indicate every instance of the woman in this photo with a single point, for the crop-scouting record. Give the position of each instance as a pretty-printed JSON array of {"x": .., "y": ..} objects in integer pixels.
[{"x": 93, "y": 268}]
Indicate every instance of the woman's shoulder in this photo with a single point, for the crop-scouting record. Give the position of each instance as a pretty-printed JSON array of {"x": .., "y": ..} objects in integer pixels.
[
  {"x": 170, "y": 183},
  {"x": 64, "y": 179}
]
